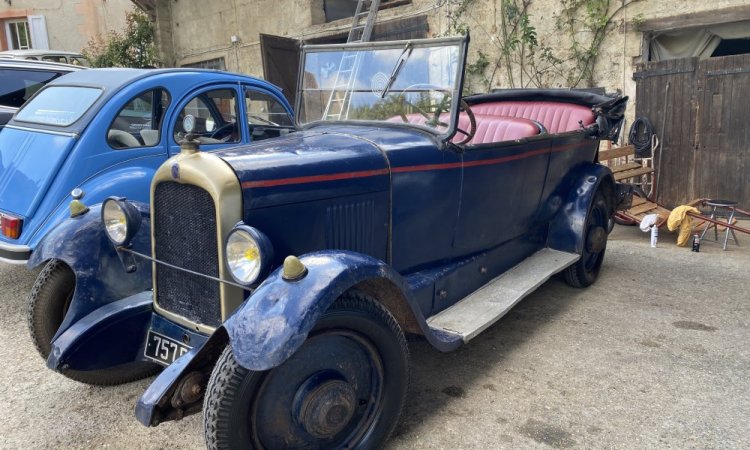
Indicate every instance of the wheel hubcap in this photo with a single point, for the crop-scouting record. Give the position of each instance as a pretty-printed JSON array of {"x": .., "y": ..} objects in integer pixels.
[
  {"x": 325, "y": 405},
  {"x": 597, "y": 239}
]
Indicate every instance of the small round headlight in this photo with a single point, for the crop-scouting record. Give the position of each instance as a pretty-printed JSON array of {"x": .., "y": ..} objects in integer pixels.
[
  {"x": 121, "y": 220},
  {"x": 248, "y": 253}
]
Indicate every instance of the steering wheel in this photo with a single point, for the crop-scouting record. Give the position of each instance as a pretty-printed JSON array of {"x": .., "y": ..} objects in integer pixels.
[
  {"x": 442, "y": 106},
  {"x": 472, "y": 123},
  {"x": 225, "y": 131}
]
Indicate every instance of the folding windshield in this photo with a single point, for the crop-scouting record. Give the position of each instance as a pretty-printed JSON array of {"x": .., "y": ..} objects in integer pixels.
[
  {"x": 409, "y": 82},
  {"x": 59, "y": 105}
]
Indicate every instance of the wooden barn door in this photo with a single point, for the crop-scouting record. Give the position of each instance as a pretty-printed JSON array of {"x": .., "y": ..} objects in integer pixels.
[{"x": 703, "y": 107}]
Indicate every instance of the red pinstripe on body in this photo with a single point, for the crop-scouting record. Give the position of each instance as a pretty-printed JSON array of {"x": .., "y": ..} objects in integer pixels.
[{"x": 404, "y": 169}]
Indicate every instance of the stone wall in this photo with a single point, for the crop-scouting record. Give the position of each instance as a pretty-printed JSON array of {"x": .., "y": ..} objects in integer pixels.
[
  {"x": 195, "y": 30},
  {"x": 70, "y": 23}
]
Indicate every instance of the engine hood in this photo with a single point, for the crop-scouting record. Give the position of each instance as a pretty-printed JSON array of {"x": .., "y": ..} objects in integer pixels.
[{"x": 307, "y": 166}]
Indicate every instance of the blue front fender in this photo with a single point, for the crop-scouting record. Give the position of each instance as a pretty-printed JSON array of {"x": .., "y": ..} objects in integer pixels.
[
  {"x": 80, "y": 242},
  {"x": 566, "y": 231},
  {"x": 110, "y": 336},
  {"x": 275, "y": 320}
]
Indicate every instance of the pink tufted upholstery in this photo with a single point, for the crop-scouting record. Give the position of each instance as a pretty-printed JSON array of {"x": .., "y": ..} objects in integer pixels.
[
  {"x": 556, "y": 117},
  {"x": 489, "y": 128}
]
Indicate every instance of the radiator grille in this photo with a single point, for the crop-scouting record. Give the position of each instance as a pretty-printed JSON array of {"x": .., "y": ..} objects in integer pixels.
[{"x": 184, "y": 220}]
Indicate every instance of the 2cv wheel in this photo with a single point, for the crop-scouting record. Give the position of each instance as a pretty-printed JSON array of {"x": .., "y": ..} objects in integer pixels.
[
  {"x": 343, "y": 388},
  {"x": 584, "y": 272},
  {"x": 47, "y": 305}
]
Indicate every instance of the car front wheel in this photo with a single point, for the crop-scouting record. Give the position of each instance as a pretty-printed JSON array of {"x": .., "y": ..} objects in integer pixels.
[{"x": 343, "y": 388}]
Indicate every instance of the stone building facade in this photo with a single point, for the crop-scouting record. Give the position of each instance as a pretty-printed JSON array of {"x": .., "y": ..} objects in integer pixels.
[
  {"x": 58, "y": 25},
  {"x": 226, "y": 35}
]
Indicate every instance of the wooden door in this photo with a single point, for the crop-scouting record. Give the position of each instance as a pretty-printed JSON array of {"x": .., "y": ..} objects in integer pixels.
[
  {"x": 281, "y": 63},
  {"x": 699, "y": 110}
]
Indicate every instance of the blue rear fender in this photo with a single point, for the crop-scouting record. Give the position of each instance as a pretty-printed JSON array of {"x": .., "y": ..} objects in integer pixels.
[
  {"x": 566, "y": 229},
  {"x": 101, "y": 278}
]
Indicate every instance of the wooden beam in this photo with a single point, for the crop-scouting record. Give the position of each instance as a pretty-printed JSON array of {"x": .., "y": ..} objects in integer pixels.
[
  {"x": 697, "y": 19},
  {"x": 616, "y": 152},
  {"x": 633, "y": 173}
]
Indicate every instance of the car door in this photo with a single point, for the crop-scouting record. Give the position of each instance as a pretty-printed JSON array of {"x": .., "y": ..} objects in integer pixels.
[
  {"x": 502, "y": 185},
  {"x": 212, "y": 115},
  {"x": 266, "y": 116}
]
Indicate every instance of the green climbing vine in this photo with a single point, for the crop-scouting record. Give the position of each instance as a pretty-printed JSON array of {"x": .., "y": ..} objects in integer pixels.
[{"x": 528, "y": 59}]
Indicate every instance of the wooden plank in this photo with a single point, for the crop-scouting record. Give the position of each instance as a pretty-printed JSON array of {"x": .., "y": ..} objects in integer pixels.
[
  {"x": 623, "y": 167},
  {"x": 711, "y": 16},
  {"x": 633, "y": 173},
  {"x": 638, "y": 201},
  {"x": 616, "y": 152},
  {"x": 640, "y": 209}
]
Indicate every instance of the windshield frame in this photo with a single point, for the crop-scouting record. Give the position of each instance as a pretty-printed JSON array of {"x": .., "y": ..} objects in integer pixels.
[{"x": 461, "y": 42}]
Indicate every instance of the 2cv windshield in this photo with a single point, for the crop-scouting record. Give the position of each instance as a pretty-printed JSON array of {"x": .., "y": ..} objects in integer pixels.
[{"x": 414, "y": 82}]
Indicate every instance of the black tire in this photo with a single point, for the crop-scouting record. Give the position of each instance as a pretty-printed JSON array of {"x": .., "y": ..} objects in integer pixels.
[
  {"x": 585, "y": 271},
  {"x": 48, "y": 302},
  {"x": 47, "y": 305},
  {"x": 237, "y": 400}
]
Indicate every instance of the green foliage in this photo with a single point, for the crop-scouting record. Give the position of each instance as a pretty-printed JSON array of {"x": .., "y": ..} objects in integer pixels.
[
  {"x": 478, "y": 69},
  {"x": 638, "y": 20},
  {"x": 456, "y": 24},
  {"x": 526, "y": 57},
  {"x": 133, "y": 47},
  {"x": 399, "y": 105}
]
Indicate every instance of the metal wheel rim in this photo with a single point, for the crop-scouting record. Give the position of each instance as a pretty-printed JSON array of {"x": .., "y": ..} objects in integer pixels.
[{"x": 360, "y": 427}]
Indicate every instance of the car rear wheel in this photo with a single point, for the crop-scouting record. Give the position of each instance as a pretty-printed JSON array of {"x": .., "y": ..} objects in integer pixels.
[
  {"x": 47, "y": 305},
  {"x": 585, "y": 271},
  {"x": 343, "y": 388}
]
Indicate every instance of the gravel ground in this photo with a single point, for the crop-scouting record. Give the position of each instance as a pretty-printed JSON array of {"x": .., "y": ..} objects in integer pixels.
[{"x": 654, "y": 355}]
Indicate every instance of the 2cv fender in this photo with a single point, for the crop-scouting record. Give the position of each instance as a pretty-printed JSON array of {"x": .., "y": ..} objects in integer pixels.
[{"x": 276, "y": 320}]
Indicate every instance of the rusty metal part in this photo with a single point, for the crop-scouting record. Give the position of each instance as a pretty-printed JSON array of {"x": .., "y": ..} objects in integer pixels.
[{"x": 190, "y": 390}]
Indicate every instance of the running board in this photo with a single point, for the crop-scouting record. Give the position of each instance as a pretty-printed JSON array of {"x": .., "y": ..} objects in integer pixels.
[{"x": 488, "y": 304}]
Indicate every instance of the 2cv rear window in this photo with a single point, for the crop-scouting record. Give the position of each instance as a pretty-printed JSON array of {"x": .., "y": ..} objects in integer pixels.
[{"x": 59, "y": 105}]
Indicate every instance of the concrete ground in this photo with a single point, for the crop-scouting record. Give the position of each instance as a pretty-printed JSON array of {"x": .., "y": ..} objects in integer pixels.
[{"x": 655, "y": 355}]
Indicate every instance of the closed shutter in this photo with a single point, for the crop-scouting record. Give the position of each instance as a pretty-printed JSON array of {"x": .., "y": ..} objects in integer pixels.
[{"x": 38, "y": 31}]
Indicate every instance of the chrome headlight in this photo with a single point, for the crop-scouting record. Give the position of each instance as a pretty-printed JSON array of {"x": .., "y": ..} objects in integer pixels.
[
  {"x": 248, "y": 254},
  {"x": 121, "y": 220}
]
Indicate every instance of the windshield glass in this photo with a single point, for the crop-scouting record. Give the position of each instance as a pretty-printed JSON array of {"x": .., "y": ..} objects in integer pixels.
[
  {"x": 59, "y": 105},
  {"x": 415, "y": 82}
]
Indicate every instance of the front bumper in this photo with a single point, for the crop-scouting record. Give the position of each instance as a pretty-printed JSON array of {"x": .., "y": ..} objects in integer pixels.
[{"x": 14, "y": 253}]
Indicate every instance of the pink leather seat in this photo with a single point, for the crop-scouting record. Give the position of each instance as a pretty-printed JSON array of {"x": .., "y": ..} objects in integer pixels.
[
  {"x": 489, "y": 128},
  {"x": 555, "y": 116},
  {"x": 497, "y": 129}
]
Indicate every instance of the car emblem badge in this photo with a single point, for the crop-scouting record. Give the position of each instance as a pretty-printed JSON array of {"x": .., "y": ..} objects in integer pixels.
[{"x": 176, "y": 171}]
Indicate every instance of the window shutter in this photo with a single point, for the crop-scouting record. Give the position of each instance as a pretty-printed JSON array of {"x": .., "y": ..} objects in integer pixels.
[{"x": 38, "y": 31}]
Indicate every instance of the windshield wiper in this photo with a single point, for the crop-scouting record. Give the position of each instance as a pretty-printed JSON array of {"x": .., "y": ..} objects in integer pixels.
[{"x": 397, "y": 68}]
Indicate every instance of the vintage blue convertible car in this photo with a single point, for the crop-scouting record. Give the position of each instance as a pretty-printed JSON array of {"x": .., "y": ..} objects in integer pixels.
[
  {"x": 95, "y": 133},
  {"x": 286, "y": 273}
]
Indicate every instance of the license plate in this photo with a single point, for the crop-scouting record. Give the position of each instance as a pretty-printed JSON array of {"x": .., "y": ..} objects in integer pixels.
[{"x": 162, "y": 349}]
